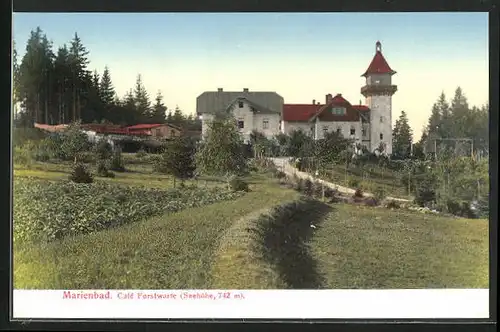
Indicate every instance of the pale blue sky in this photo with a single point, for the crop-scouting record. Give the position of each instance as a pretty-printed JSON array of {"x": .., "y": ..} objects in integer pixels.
[{"x": 302, "y": 56}]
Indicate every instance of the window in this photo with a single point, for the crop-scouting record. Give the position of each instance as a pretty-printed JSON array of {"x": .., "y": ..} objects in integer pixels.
[
  {"x": 265, "y": 124},
  {"x": 338, "y": 110},
  {"x": 325, "y": 130},
  {"x": 377, "y": 82},
  {"x": 363, "y": 132},
  {"x": 353, "y": 131},
  {"x": 240, "y": 104},
  {"x": 381, "y": 119},
  {"x": 241, "y": 124},
  {"x": 381, "y": 136}
]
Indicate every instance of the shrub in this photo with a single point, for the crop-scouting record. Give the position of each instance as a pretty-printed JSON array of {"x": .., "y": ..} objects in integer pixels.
[
  {"x": 279, "y": 174},
  {"x": 237, "y": 184},
  {"x": 371, "y": 201},
  {"x": 308, "y": 187},
  {"x": 21, "y": 156},
  {"x": 425, "y": 194},
  {"x": 177, "y": 158},
  {"x": 379, "y": 193},
  {"x": 318, "y": 189},
  {"x": 141, "y": 153},
  {"x": 102, "y": 170},
  {"x": 353, "y": 183},
  {"x": 392, "y": 204},
  {"x": 358, "y": 193},
  {"x": 117, "y": 164},
  {"x": 102, "y": 150},
  {"x": 80, "y": 174}
]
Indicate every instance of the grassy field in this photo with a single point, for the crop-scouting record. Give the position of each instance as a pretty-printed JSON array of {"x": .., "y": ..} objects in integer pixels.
[
  {"x": 214, "y": 246},
  {"x": 362, "y": 247},
  {"x": 170, "y": 251},
  {"x": 376, "y": 177}
]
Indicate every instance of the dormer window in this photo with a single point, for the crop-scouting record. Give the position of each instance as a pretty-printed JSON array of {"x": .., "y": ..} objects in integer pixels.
[{"x": 338, "y": 110}]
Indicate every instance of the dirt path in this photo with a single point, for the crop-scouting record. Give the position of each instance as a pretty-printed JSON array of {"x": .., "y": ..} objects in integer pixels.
[{"x": 284, "y": 165}]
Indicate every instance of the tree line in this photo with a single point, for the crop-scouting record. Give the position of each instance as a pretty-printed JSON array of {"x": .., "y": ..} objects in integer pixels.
[
  {"x": 448, "y": 122},
  {"x": 56, "y": 87}
]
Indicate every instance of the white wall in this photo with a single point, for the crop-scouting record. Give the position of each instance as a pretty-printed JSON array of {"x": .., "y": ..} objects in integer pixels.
[
  {"x": 250, "y": 120},
  {"x": 380, "y": 106},
  {"x": 345, "y": 128},
  {"x": 288, "y": 127},
  {"x": 205, "y": 119},
  {"x": 273, "y": 124}
]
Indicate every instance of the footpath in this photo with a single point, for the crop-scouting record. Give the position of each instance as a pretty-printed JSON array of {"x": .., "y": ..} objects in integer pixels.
[{"x": 286, "y": 167}]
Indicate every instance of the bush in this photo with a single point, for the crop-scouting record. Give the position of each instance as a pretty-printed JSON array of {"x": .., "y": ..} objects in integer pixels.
[
  {"x": 102, "y": 150},
  {"x": 379, "y": 193},
  {"x": 102, "y": 170},
  {"x": 353, "y": 183},
  {"x": 392, "y": 204},
  {"x": 371, "y": 201},
  {"x": 425, "y": 194},
  {"x": 279, "y": 174},
  {"x": 358, "y": 193},
  {"x": 317, "y": 189},
  {"x": 308, "y": 187},
  {"x": 237, "y": 184},
  {"x": 117, "y": 164},
  {"x": 80, "y": 174},
  {"x": 141, "y": 153},
  {"x": 21, "y": 156}
]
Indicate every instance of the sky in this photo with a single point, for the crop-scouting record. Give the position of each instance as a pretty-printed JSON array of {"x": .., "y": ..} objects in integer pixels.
[{"x": 301, "y": 56}]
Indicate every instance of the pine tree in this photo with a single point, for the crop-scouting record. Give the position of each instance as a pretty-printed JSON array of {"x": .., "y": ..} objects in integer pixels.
[
  {"x": 107, "y": 90},
  {"x": 159, "y": 109},
  {"x": 177, "y": 118},
  {"x": 80, "y": 75},
  {"x": 35, "y": 76},
  {"x": 402, "y": 137},
  {"x": 445, "y": 126},
  {"x": 141, "y": 98},
  {"x": 62, "y": 92}
]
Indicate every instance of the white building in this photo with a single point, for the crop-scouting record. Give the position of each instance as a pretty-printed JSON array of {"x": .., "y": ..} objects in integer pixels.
[{"x": 369, "y": 124}]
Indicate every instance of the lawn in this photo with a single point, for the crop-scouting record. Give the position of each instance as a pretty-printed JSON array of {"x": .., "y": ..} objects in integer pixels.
[
  {"x": 362, "y": 247},
  {"x": 174, "y": 250}
]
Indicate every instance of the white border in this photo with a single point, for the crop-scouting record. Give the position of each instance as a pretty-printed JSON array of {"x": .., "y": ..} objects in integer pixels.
[{"x": 264, "y": 304}]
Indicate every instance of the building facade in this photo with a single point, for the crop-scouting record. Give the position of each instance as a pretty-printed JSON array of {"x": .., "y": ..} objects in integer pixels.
[{"x": 369, "y": 125}]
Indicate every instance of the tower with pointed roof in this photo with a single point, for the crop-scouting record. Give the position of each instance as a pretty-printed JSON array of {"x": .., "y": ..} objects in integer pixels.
[{"x": 378, "y": 92}]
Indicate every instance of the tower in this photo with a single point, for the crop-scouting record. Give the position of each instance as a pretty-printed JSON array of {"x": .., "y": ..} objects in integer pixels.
[{"x": 378, "y": 92}]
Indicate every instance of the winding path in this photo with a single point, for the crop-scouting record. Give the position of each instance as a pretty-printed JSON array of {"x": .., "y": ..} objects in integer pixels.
[{"x": 284, "y": 165}]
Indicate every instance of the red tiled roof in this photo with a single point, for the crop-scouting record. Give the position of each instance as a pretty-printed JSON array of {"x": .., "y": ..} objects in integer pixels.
[
  {"x": 299, "y": 112},
  {"x": 361, "y": 108},
  {"x": 338, "y": 100},
  {"x": 146, "y": 126},
  {"x": 378, "y": 65}
]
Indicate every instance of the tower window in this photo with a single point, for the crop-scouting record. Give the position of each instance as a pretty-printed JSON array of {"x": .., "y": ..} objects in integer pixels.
[
  {"x": 240, "y": 104},
  {"x": 381, "y": 136}
]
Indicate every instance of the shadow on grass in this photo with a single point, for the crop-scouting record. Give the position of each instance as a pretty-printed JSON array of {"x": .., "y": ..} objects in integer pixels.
[{"x": 284, "y": 236}]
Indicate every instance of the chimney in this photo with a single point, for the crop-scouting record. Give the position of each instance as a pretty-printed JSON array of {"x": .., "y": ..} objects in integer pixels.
[
  {"x": 219, "y": 90},
  {"x": 328, "y": 98},
  {"x": 245, "y": 90},
  {"x": 314, "y": 101}
]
